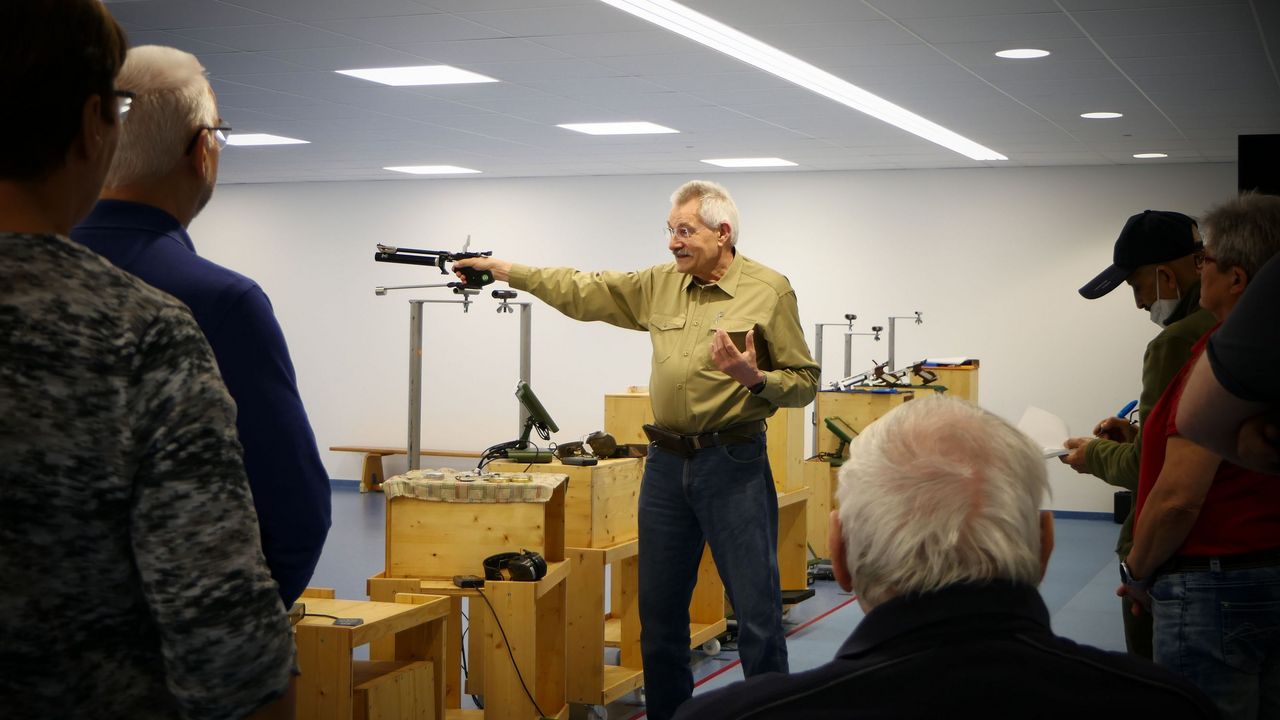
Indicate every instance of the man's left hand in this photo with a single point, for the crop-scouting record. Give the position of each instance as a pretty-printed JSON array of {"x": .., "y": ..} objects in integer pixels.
[
  {"x": 1141, "y": 598},
  {"x": 1075, "y": 458},
  {"x": 739, "y": 365}
]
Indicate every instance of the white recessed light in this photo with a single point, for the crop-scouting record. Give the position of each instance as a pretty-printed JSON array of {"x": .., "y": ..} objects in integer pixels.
[
  {"x": 1149, "y": 156},
  {"x": 1101, "y": 115},
  {"x": 242, "y": 139},
  {"x": 418, "y": 75},
  {"x": 1022, "y": 53},
  {"x": 431, "y": 169},
  {"x": 618, "y": 128},
  {"x": 720, "y": 37},
  {"x": 750, "y": 162}
]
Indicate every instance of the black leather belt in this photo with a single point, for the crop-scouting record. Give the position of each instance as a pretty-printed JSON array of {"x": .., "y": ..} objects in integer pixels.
[
  {"x": 1244, "y": 561},
  {"x": 686, "y": 445}
]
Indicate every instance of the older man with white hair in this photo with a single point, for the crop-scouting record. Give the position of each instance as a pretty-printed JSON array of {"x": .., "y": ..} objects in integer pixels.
[
  {"x": 728, "y": 350},
  {"x": 162, "y": 176},
  {"x": 940, "y": 534}
]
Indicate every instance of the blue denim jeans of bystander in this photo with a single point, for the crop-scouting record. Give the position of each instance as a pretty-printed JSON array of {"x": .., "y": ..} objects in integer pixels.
[
  {"x": 1221, "y": 630},
  {"x": 723, "y": 496}
]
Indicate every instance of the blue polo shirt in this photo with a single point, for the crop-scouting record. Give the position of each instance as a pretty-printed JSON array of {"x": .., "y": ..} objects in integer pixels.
[{"x": 289, "y": 482}]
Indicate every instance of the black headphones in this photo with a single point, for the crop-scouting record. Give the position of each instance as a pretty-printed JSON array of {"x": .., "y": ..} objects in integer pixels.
[{"x": 525, "y": 566}]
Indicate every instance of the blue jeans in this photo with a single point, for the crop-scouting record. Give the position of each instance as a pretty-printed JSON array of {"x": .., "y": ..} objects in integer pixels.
[
  {"x": 1221, "y": 630},
  {"x": 723, "y": 496}
]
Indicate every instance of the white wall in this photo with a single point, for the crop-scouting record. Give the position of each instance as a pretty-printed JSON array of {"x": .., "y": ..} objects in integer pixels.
[{"x": 992, "y": 257}]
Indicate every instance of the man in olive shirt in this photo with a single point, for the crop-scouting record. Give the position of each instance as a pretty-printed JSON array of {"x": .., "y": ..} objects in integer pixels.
[
  {"x": 1157, "y": 255},
  {"x": 728, "y": 350}
]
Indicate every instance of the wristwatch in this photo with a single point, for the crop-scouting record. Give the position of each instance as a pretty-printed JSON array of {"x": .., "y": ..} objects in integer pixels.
[
  {"x": 758, "y": 387},
  {"x": 1129, "y": 580}
]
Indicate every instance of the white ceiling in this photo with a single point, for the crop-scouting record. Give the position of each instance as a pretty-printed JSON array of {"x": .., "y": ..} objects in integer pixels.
[{"x": 1189, "y": 76}]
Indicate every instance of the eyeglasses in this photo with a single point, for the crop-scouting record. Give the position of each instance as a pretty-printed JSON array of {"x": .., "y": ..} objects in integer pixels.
[
  {"x": 220, "y": 134},
  {"x": 1203, "y": 259},
  {"x": 684, "y": 232},
  {"x": 124, "y": 101}
]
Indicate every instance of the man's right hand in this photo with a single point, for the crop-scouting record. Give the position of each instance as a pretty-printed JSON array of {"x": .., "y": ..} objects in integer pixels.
[
  {"x": 1075, "y": 458},
  {"x": 501, "y": 269},
  {"x": 1117, "y": 429}
]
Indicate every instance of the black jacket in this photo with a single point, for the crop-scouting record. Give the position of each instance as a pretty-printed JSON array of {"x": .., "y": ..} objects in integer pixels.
[{"x": 966, "y": 651}]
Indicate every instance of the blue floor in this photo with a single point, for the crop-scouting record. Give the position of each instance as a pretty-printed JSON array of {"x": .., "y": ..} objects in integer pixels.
[{"x": 1079, "y": 590}]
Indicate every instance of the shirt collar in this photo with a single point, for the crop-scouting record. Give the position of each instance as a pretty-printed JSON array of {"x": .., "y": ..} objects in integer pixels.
[
  {"x": 728, "y": 283},
  {"x": 999, "y": 602},
  {"x": 138, "y": 216}
]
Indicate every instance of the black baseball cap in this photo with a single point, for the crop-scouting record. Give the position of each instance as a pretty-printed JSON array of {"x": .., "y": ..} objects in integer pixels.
[{"x": 1151, "y": 236}]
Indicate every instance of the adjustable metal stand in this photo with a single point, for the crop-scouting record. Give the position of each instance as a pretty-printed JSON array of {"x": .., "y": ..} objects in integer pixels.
[
  {"x": 415, "y": 355},
  {"x": 818, "y": 330},
  {"x": 893, "y": 321}
]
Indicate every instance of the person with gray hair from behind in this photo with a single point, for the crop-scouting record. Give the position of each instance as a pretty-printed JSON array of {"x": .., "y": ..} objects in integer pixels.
[
  {"x": 941, "y": 536},
  {"x": 162, "y": 176}
]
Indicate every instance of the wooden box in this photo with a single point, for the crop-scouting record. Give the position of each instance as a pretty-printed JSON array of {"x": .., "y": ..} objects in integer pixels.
[
  {"x": 961, "y": 381},
  {"x": 857, "y": 409},
  {"x": 626, "y": 413},
  {"x": 393, "y": 691},
  {"x": 428, "y": 539},
  {"x": 601, "y": 501}
]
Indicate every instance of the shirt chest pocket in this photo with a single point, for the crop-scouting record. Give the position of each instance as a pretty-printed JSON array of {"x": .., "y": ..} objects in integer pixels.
[{"x": 665, "y": 332}]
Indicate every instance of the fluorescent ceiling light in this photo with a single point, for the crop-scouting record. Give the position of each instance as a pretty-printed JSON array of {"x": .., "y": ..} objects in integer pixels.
[
  {"x": 750, "y": 162},
  {"x": 718, "y": 36},
  {"x": 431, "y": 169},
  {"x": 1149, "y": 156},
  {"x": 618, "y": 128},
  {"x": 1101, "y": 115},
  {"x": 1022, "y": 54},
  {"x": 242, "y": 139},
  {"x": 418, "y": 75}
]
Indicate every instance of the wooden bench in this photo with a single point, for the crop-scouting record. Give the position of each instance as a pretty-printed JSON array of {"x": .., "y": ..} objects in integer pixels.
[{"x": 371, "y": 474}]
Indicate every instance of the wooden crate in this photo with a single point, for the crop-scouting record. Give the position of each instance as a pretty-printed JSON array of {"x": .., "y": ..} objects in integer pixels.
[
  {"x": 961, "y": 381},
  {"x": 601, "y": 500},
  {"x": 428, "y": 539},
  {"x": 393, "y": 691},
  {"x": 626, "y": 413},
  {"x": 858, "y": 409}
]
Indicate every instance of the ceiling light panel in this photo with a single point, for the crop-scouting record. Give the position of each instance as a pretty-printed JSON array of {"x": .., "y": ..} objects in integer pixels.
[
  {"x": 250, "y": 139},
  {"x": 750, "y": 162},
  {"x": 431, "y": 169},
  {"x": 618, "y": 128},
  {"x": 1022, "y": 54},
  {"x": 1101, "y": 115},
  {"x": 720, "y": 37},
  {"x": 418, "y": 75}
]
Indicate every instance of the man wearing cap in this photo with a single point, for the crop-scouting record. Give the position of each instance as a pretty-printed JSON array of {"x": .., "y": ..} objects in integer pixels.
[{"x": 1156, "y": 256}]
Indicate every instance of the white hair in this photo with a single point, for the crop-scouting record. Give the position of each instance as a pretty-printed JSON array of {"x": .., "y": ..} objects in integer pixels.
[
  {"x": 172, "y": 101},
  {"x": 717, "y": 205},
  {"x": 938, "y": 492}
]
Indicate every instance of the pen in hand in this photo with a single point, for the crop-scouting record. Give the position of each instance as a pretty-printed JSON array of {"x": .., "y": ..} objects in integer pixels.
[{"x": 1118, "y": 428}]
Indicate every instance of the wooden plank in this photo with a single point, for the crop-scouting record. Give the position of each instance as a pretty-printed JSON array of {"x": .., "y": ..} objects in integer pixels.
[
  {"x": 625, "y": 414},
  {"x": 785, "y": 443},
  {"x": 443, "y": 539},
  {"x": 379, "y": 450},
  {"x": 324, "y": 660},
  {"x": 961, "y": 381},
  {"x": 318, "y": 592},
  {"x": 428, "y": 642},
  {"x": 513, "y": 604},
  {"x": 381, "y": 619},
  {"x": 821, "y": 480},
  {"x": 550, "y": 658},
  {"x": 619, "y": 681},
  {"x": 394, "y": 691},
  {"x": 626, "y": 577},
  {"x": 384, "y": 589},
  {"x": 792, "y": 554},
  {"x": 585, "y": 626}
]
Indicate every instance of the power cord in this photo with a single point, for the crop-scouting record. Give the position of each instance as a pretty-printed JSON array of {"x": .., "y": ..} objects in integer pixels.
[{"x": 519, "y": 676}]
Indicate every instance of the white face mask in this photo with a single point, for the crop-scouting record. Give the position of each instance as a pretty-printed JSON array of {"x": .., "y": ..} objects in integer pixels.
[{"x": 1162, "y": 309}]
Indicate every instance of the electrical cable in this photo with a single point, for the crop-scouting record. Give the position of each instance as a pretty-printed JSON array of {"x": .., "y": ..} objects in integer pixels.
[{"x": 510, "y": 654}]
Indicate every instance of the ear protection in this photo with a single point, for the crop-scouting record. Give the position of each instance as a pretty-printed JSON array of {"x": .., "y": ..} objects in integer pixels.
[{"x": 524, "y": 566}]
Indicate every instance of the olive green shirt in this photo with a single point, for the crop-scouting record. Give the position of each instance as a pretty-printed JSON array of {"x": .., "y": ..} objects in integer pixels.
[
  {"x": 688, "y": 392},
  {"x": 1116, "y": 463}
]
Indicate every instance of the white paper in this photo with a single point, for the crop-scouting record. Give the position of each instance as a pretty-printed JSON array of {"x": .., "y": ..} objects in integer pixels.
[{"x": 1046, "y": 429}]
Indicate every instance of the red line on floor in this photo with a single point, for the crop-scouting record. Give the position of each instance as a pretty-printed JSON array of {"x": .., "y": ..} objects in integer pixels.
[{"x": 736, "y": 663}]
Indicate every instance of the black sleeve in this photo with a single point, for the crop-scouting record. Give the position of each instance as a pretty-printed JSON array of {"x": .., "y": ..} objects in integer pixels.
[{"x": 1246, "y": 349}]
